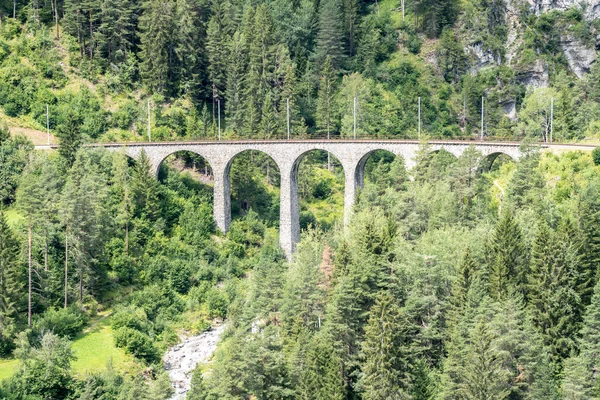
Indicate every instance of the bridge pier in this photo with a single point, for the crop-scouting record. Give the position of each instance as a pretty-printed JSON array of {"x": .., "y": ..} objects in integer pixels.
[
  {"x": 289, "y": 209},
  {"x": 222, "y": 196}
]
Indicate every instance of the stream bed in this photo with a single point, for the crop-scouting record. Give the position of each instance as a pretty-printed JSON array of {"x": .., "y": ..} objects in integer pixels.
[{"x": 181, "y": 359}]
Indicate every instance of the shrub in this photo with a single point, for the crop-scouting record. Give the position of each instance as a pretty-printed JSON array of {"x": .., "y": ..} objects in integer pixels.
[
  {"x": 130, "y": 317},
  {"x": 64, "y": 322},
  {"x": 216, "y": 302},
  {"x": 135, "y": 343},
  {"x": 596, "y": 155}
]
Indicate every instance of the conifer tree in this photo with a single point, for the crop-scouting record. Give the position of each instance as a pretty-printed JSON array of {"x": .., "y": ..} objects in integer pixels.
[
  {"x": 235, "y": 76},
  {"x": 116, "y": 34},
  {"x": 331, "y": 37},
  {"x": 589, "y": 220},
  {"x": 506, "y": 269},
  {"x": 144, "y": 188},
  {"x": 385, "y": 352},
  {"x": 217, "y": 43},
  {"x": 581, "y": 379},
  {"x": 467, "y": 271},
  {"x": 551, "y": 291},
  {"x": 188, "y": 48},
  {"x": 29, "y": 199},
  {"x": 325, "y": 102},
  {"x": 10, "y": 285},
  {"x": 157, "y": 44},
  {"x": 69, "y": 134}
]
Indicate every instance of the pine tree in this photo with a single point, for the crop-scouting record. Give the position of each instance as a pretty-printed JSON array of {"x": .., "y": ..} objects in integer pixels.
[
  {"x": 197, "y": 387},
  {"x": 385, "y": 352},
  {"x": 288, "y": 93},
  {"x": 188, "y": 48},
  {"x": 217, "y": 43},
  {"x": 84, "y": 200},
  {"x": 321, "y": 378},
  {"x": 144, "y": 189},
  {"x": 331, "y": 37},
  {"x": 10, "y": 286},
  {"x": 69, "y": 134},
  {"x": 581, "y": 372},
  {"x": 589, "y": 220},
  {"x": 29, "y": 199},
  {"x": 268, "y": 123},
  {"x": 506, "y": 269},
  {"x": 157, "y": 44},
  {"x": 467, "y": 272},
  {"x": 551, "y": 291},
  {"x": 116, "y": 34},
  {"x": 325, "y": 102},
  {"x": 235, "y": 76}
]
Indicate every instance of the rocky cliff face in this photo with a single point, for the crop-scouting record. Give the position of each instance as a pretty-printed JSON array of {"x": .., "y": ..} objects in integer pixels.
[
  {"x": 579, "y": 56},
  {"x": 592, "y": 7}
]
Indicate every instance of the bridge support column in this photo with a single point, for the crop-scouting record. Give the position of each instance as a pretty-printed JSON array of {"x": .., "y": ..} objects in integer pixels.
[
  {"x": 354, "y": 176},
  {"x": 222, "y": 197},
  {"x": 289, "y": 210}
]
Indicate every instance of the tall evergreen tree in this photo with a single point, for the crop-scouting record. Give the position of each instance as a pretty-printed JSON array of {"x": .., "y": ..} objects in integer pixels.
[
  {"x": 116, "y": 34},
  {"x": 325, "y": 102},
  {"x": 331, "y": 37},
  {"x": 235, "y": 76},
  {"x": 506, "y": 258},
  {"x": 551, "y": 291},
  {"x": 385, "y": 352},
  {"x": 69, "y": 134},
  {"x": 581, "y": 372},
  {"x": 589, "y": 220},
  {"x": 189, "y": 47},
  {"x": 157, "y": 47},
  {"x": 10, "y": 285},
  {"x": 217, "y": 43}
]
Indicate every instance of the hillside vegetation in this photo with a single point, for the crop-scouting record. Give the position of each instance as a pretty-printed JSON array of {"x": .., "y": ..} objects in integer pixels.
[
  {"x": 107, "y": 61},
  {"x": 455, "y": 279}
]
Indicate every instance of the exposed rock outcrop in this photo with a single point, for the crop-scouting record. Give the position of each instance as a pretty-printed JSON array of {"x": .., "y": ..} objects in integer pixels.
[
  {"x": 591, "y": 7},
  {"x": 482, "y": 58},
  {"x": 579, "y": 56},
  {"x": 536, "y": 75}
]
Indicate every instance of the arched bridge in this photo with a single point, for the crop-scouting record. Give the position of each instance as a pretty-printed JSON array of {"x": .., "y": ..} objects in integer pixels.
[{"x": 352, "y": 155}]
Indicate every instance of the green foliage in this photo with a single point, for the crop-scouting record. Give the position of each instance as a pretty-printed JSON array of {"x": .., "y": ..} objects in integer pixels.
[
  {"x": 65, "y": 322},
  {"x": 45, "y": 370},
  {"x": 136, "y": 343},
  {"x": 10, "y": 286},
  {"x": 596, "y": 155}
]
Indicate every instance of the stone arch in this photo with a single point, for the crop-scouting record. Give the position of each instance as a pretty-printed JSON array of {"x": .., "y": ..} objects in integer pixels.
[
  {"x": 202, "y": 163},
  {"x": 359, "y": 172},
  {"x": 271, "y": 162},
  {"x": 289, "y": 220},
  {"x": 488, "y": 160}
]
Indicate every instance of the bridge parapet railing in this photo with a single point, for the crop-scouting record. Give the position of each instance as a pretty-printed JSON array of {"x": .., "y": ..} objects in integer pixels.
[{"x": 336, "y": 137}]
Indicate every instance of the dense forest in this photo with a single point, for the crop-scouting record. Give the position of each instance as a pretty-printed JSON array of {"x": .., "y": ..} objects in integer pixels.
[
  {"x": 453, "y": 280},
  {"x": 200, "y": 64}
]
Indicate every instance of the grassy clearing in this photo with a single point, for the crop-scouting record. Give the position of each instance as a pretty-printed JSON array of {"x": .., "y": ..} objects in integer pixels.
[
  {"x": 94, "y": 349},
  {"x": 7, "y": 368}
]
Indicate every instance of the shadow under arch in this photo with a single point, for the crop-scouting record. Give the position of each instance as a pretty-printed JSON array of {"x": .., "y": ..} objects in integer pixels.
[
  {"x": 319, "y": 177},
  {"x": 493, "y": 161},
  {"x": 253, "y": 178},
  {"x": 190, "y": 168},
  {"x": 371, "y": 164}
]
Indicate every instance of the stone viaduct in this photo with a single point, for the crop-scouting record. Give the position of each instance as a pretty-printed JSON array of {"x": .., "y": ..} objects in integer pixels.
[{"x": 352, "y": 154}]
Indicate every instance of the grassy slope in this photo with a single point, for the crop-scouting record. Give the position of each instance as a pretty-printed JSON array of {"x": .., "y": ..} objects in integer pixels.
[{"x": 94, "y": 349}]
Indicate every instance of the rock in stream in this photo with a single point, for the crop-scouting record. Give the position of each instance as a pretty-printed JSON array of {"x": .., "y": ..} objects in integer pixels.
[{"x": 181, "y": 359}]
